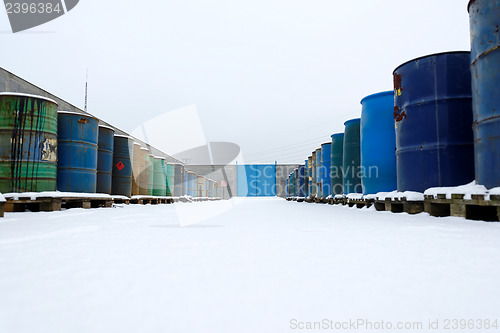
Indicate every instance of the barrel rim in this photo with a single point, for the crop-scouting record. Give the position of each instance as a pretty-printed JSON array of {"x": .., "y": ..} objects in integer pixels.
[
  {"x": 336, "y": 135},
  {"x": 379, "y": 94},
  {"x": 428, "y": 56},
  {"x": 326, "y": 143},
  {"x": 28, "y": 95},
  {"x": 355, "y": 120},
  {"x": 77, "y": 113},
  {"x": 138, "y": 144},
  {"x": 144, "y": 148},
  {"x": 468, "y": 5},
  {"x": 107, "y": 127}
]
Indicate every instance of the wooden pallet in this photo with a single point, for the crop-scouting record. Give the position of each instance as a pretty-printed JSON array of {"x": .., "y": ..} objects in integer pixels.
[
  {"x": 2, "y": 208},
  {"x": 477, "y": 208},
  {"x": 399, "y": 205},
  {"x": 125, "y": 201},
  {"x": 41, "y": 204},
  {"x": 71, "y": 202}
]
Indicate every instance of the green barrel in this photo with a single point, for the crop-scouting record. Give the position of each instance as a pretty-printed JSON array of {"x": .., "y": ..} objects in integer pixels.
[
  {"x": 28, "y": 143},
  {"x": 159, "y": 182},
  {"x": 151, "y": 174},
  {"x": 170, "y": 179}
]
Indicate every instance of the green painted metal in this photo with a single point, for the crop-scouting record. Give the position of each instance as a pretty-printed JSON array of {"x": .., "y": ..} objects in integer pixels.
[
  {"x": 159, "y": 178},
  {"x": 170, "y": 179},
  {"x": 28, "y": 143}
]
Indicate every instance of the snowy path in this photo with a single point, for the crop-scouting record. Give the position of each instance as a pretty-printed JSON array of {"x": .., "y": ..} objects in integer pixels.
[{"x": 252, "y": 269}]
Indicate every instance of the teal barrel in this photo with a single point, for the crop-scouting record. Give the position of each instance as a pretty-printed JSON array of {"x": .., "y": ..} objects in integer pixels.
[
  {"x": 319, "y": 189},
  {"x": 313, "y": 175},
  {"x": 151, "y": 173},
  {"x": 186, "y": 180},
  {"x": 485, "y": 67},
  {"x": 122, "y": 165},
  {"x": 105, "y": 159},
  {"x": 306, "y": 178},
  {"x": 378, "y": 143},
  {"x": 337, "y": 163},
  {"x": 28, "y": 143},
  {"x": 352, "y": 157},
  {"x": 171, "y": 179},
  {"x": 159, "y": 177},
  {"x": 77, "y": 152}
]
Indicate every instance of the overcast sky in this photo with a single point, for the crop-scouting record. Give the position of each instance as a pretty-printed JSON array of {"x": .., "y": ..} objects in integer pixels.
[{"x": 276, "y": 77}]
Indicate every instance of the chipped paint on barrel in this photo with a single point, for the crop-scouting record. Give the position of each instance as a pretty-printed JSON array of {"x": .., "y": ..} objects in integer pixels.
[{"x": 28, "y": 143}]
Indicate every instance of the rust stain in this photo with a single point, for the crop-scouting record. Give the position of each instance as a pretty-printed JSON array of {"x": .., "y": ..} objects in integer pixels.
[
  {"x": 399, "y": 116},
  {"x": 83, "y": 121},
  {"x": 397, "y": 81}
]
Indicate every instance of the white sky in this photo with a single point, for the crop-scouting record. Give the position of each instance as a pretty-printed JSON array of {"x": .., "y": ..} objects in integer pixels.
[{"x": 276, "y": 77}]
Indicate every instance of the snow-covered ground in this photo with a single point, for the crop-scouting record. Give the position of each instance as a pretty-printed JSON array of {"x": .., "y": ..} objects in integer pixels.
[{"x": 265, "y": 265}]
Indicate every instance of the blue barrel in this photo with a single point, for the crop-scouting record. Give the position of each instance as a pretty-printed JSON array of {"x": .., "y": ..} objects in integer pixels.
[
  {"x": 378, "y": 143},
  {"x": 318, "y": 173},
  {"x": 105, "y": 159},
  {"x": 77, "y": 152},
  {"x": 122, "y": 166},
  {"x": 337, "y": 165},
  {"x": 306, "y": 178},
  {"x": 433, "y": 119},
  {"x": 309, "y": 174},
  {"x": 352, "y": 157},
  {"x": 485, "y": 66},
  {"x": 314, "y": 189},
  {"x": 301, "y": 174},
  {"x": 326, "y": 165}
]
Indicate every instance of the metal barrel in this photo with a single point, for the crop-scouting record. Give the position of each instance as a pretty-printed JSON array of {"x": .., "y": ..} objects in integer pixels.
[
  {"x": 485, "y": 67},
  {"x": 309, "y": 174},
  {"x": 136, "y": 169},
  {"x": 217, "y": 189},
  {"x": 352, "y": 157},
  {"x": 433, "y": 119},
  {"x": 326, "y": 164},
  {"x": 306, "y": 178},
  {"x": 144, "y": 175},
  {"x": 178, "y": 180},
  {"x": 151, "y": 173},
  {"x": 77, "y": 152},
  {"x": 319, "y": 189},
  {"x": 337, "y": 157},
  {"x": 159, "y": 182},
  {"x": 122, "y": 165},
  {"x": 28, "y": 143},
  {"x": 186, "y": 180},
  {"x": 378, "y": 143},
  {"x": 200, "y": 186},
  {"x": 170, "y": 179},
  {"x": 301, "y": 174},
  {"x": 313, "y": 174},
  {"x": 105, "y": 159}
]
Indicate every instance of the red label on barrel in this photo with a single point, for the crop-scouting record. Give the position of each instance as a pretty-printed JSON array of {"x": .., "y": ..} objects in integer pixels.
[{"x": 120, "y": 166}]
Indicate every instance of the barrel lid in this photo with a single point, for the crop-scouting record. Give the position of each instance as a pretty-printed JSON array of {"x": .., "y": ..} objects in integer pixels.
[
  {"x": 77, "y": 114},
  {"x": 123, "y": 136},
  {"x": 355, "y": 120},
  {"x": 107, "y": 127},
  {"x": 380, "y": 94},
  {"x": 138, "y": 144},
  {"x": 326, "y": 143},
  {"x": 143, "y": 148},
  {"x": 337, "y": 135},
  {"x": 428, "y": 56},
  {"x": 318, "y": 149},
  {"x": 27, "y": 95}
]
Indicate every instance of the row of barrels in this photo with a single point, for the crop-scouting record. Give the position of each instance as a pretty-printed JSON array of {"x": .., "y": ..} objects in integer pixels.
[
  {"x": 43, "y": 149},
  {"x": 439, "y": 127}
]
